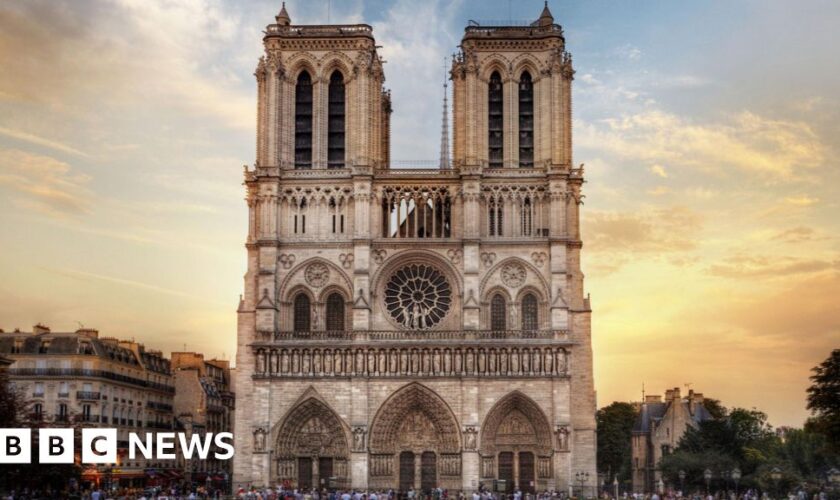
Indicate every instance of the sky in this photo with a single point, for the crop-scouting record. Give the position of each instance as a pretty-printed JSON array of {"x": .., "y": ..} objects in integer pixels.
[{"x": 709, "y": 131}]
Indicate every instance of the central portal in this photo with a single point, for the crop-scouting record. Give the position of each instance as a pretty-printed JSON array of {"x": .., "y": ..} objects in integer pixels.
[{"x": 416, "y": 443}]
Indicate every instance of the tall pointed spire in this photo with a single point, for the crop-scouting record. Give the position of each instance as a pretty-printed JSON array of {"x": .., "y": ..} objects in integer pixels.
[{"x": 444, "y": 131}]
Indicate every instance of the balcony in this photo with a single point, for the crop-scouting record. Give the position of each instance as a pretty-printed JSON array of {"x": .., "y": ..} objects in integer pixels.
[
  {"x": 88, "y": 396},
  {"x": 88, "y": 418},
  {"x": 158, "y": 425},
  {"x": 79, "y": 372},
  {"x": 154, "y": 405},
  {"x": 62, "y": 418},
  {"x": 63, "y": 395}
]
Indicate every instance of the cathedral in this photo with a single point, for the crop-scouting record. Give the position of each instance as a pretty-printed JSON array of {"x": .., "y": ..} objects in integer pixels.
[{"x": 414, "y": 328}]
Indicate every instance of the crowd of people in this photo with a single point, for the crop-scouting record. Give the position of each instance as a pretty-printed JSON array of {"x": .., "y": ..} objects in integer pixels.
[{"x": 279, "y": 493}]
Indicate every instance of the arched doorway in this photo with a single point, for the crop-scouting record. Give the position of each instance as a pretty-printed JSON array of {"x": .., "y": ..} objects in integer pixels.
[
  {"x": 415, "y": 442},
  {"x": 516, "y": 444},
  {"x": 311, "y": 447}
]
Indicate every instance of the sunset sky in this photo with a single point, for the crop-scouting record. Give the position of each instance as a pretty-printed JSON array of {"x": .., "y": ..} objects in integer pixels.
[{"x": 710, "y": 132}]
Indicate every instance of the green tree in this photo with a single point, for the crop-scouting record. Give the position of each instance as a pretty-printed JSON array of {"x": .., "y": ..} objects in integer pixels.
[
  {"x": 715, "y": 408},
  {"x": 615, "y": 430},
  {"x": 824, "y": 400}
]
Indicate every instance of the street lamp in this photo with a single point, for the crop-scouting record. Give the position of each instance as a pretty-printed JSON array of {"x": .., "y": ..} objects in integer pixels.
[
  {"x": 582, "y": 478},
  {"x": 776, "y": 475},
  {"x": 682, "y": 481},
  {"x": 707, "y": 475},
  {"x": 736, "y": 476}
]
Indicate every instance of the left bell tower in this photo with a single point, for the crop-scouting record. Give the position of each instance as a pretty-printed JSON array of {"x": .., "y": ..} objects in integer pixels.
[{"x": 320, "y": 101}]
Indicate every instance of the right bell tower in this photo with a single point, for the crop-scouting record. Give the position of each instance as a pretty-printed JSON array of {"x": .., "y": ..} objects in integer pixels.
[
  {"x": 512, "y": 101},
  {"x": 512, "y": 147}
]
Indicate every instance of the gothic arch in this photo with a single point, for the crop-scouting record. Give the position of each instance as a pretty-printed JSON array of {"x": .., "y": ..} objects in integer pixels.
[
  {"x": 412, "y": 405},
  {"x": 296, "y": 278},
  {"x": 495, "y": 62},
  {"x": 530, "y": 268},
  {"x": 332, "y": 61},
  {"x": 526, "y": 62},
  {"x": 302, "y": 61},
  {"x": 310, "y": 432},
  {"x": 516, "y": 423},
  {"x": 292, "y": 433}
]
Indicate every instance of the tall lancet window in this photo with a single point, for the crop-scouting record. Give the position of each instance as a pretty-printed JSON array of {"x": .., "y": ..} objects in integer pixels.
[
  {"x": 498, "y": 313},
  {"x": 335, "y": 124},
  {"x": 335, "y": 312},
  {"x": 303, "y": 121},
  {"x": 526, "y": 121},
  {"x": 302, "y": 313},
  {"x": 495, "y": 122},
  {"x": 530, "y": 318}
]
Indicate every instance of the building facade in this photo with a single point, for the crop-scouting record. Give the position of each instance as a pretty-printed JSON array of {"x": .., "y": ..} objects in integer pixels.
[
  {"x": 658, "y": 430},
  {"x": 414, "y": 328},
  {"x": 80, "y": 379},
  {"x": 204, "y": 405}
]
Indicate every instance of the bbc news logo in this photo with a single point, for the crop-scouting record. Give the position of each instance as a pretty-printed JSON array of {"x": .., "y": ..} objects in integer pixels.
[{"x": 99, "y": 446}]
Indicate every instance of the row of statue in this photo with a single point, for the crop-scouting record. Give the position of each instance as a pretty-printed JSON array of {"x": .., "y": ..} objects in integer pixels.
[{"x": 384, "y": 362}]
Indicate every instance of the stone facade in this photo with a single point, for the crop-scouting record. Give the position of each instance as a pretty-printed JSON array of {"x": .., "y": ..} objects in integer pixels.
[
  {"x": 80, "y": 379},
  {"x": 658, "y": 430},
  {"x": 204, "y": 404},
  {"x": 414, "y": 328}
]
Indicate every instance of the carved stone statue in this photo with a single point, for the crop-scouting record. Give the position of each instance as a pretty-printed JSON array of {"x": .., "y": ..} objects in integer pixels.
[
  {"x": 259, "y": 439},
  {"x": 358, "y": 439},
  {"x": 470, "y": 437},
  {"x": 562, "y": 433}
]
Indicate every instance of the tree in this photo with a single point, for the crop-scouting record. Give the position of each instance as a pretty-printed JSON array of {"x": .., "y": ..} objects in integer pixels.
[
  {"x": 824, "y": 400},
  {"x": 715, "y": 408},
  {"x": 615, "y": 430}
]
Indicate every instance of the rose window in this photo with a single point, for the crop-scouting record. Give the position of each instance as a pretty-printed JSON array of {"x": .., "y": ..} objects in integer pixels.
[{"x": 418, "y": 296}]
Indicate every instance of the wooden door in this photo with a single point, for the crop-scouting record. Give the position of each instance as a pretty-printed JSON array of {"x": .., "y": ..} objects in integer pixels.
[
  {"x": 304, "y": 473},
  {"x": 406, "y": 471}
]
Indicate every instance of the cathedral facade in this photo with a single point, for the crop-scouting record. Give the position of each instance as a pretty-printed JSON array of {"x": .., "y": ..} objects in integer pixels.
[{"x": 414, "y": 328}]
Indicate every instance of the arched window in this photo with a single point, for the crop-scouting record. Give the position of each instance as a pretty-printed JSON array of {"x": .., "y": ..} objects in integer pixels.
[
  {"x": 498, "y": 313},
  {"x": 530, "y": 316},
  {"x": 495, "y": 122},
  {"x": 526, "y": 121},
  {"x": 495, "y": 217},
  {"x": 335, "y": 312},
  {"x": 335, "y": 123},
  {"x": 303, "y": 313},
  {"x": 303, "y": 121},
  {"x": 527, "y": 218}
]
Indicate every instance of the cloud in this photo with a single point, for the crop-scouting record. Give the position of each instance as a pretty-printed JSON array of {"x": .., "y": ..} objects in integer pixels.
[
  {"x": 745, "y": 141},
  {"x": 119, "y": 54},
  {"x": 652, "y": 231},
  {"x": 44, "y": 184},
  {"x": 798, "y": 234},
  {"x": 658, "y": 170},
  {"x": 751, "y": 267},
  {"x": 802, "y": 201},
  {"x": 40, "y": 141}
]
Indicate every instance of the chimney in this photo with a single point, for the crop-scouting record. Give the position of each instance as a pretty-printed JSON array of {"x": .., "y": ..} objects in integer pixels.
[
  {"x": 40, "y": 328},
  {"x": 90, "y": 333}
]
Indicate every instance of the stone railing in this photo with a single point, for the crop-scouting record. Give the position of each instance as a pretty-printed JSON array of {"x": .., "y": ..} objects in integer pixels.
[
  {"x": 417, "y": 335},
  {"x": 393, "y": 362}
]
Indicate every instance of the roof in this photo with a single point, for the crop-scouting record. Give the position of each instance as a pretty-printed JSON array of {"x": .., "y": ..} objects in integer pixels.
[
  {"x": 655, "y": 412},
  {"x": 65, "y": 343}
]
